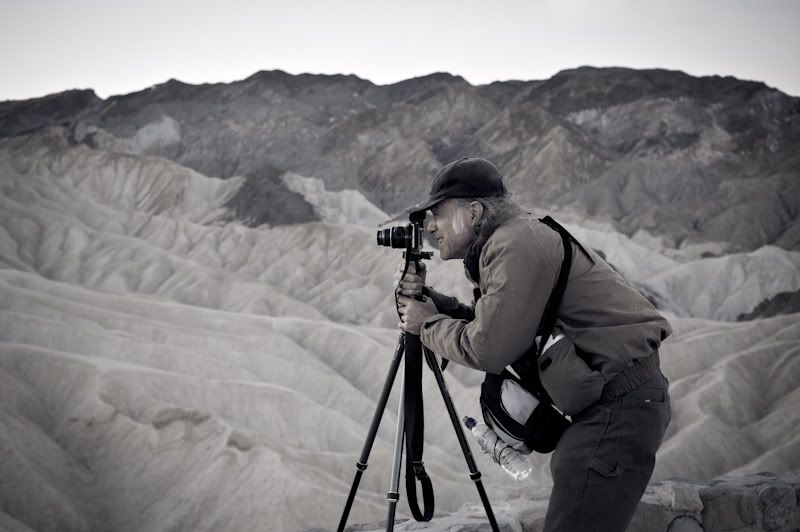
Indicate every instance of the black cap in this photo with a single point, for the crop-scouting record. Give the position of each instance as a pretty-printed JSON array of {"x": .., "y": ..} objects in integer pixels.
[{"x": 465, "y": 178}]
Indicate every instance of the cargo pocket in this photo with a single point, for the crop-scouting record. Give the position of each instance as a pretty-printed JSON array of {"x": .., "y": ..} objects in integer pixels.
[
  {"x": 599, "y": 466},
  {"x": 643, "y": 421},
  {"x": 569, "y": 381}
]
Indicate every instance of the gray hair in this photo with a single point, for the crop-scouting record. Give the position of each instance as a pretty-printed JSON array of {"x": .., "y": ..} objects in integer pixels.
[{"x": 496, "y": 210}]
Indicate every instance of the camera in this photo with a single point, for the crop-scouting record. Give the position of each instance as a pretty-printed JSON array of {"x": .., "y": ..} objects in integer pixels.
[
  {"x": 404, "y": 236},
  {"x": 409, "y": 236}
]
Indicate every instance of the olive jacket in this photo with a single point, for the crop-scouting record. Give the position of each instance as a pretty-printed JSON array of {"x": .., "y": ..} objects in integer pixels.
[{"x": 609, "y": 323}]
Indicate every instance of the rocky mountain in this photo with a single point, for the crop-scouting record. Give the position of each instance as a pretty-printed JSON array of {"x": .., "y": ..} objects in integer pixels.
[
  {"x": 195, "y": 321},
  {"x": 709, "y": 164},
  {"x": 166, "y": 367}
]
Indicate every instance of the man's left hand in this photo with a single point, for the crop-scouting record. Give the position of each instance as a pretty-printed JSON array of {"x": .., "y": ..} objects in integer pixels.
[{"x": 413, "y": 313}]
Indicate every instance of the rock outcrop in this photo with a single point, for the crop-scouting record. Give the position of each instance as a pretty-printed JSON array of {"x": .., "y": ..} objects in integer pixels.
[{"x": 755, "y": 503}]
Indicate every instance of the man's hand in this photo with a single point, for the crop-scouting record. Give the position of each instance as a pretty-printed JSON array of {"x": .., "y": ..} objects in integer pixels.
[
  {"x": 413, "y": 313},
  {"x": 412, "y": 284}
]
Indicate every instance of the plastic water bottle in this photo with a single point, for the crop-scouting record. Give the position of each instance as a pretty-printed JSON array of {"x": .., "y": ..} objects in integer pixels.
[{"x": 511, "y": 460}]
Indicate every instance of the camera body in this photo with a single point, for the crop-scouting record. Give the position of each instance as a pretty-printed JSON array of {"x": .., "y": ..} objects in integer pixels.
[{"x": 408, "y": 237}]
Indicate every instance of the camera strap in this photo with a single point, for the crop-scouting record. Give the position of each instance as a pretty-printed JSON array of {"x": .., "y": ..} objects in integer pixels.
[{"x": 415, "y": 431}]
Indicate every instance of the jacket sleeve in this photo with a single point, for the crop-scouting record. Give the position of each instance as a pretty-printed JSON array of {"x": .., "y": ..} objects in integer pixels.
[
  {"x": 517, "y": 277},
  {"x": 449, "y": 306}
]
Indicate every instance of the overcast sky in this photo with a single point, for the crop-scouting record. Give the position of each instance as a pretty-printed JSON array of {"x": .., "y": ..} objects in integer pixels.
[{"x": 118, "y": 47}]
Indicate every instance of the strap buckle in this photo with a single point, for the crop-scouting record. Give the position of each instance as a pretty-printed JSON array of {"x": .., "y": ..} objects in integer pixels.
[{"x": 419, "y": 470}]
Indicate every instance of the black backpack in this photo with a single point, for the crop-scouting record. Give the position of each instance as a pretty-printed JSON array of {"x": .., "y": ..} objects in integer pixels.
[{"x": 516, "y": 405}]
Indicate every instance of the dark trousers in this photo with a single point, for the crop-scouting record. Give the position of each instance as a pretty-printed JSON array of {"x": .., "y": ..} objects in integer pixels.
[{"x": 603, "y": 462}]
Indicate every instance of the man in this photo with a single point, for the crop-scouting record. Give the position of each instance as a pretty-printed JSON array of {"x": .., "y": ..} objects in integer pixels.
[{"x": 604, "y": 460}]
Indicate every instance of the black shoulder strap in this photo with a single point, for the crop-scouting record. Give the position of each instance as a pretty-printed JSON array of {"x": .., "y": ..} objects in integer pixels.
[
  {"x": 552, "y": 224},
  {"x": 526, "y": 365},
  {"x": 551, "y": 309}
]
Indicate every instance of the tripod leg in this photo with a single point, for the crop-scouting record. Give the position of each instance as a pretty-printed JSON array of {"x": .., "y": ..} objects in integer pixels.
[
  {"x": 394, "y": 488},
  {"x": 474, "y": 474},
  {"x": 361, "y": 465}
]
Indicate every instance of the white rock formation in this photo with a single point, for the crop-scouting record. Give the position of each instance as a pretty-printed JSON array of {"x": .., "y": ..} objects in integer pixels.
[
  {"x": 341, "y": 207},
  {"x": 719, "y": 288},
  {"x": 724, "y": 288},
  {"x": 149, "y": 138}
]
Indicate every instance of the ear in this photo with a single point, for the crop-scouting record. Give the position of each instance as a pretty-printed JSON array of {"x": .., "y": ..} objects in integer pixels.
[{"x": 476, "y": 211}]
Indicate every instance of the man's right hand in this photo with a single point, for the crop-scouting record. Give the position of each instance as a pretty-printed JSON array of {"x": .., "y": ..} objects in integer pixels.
[{"x": 412, "y": 284}]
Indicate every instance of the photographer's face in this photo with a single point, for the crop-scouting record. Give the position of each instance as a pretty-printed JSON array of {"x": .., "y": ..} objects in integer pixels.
[{"x": 451, "y": 226}]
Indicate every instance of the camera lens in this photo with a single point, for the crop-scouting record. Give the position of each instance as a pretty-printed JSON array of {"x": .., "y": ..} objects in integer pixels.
[
  {"x": 395, "y": 237},
  {"x": 383, "y": 237}
]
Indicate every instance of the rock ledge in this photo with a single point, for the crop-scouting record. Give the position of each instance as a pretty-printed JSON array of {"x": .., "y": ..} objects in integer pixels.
[{"x": 762, "y": 502}]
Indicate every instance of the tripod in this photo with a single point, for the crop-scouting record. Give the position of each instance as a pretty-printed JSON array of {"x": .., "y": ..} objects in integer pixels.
[{"x": 411, "y": 344}]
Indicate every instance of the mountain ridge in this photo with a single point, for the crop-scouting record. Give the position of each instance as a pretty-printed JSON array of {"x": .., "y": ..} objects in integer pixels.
[{"x": 691, "y": 159}]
